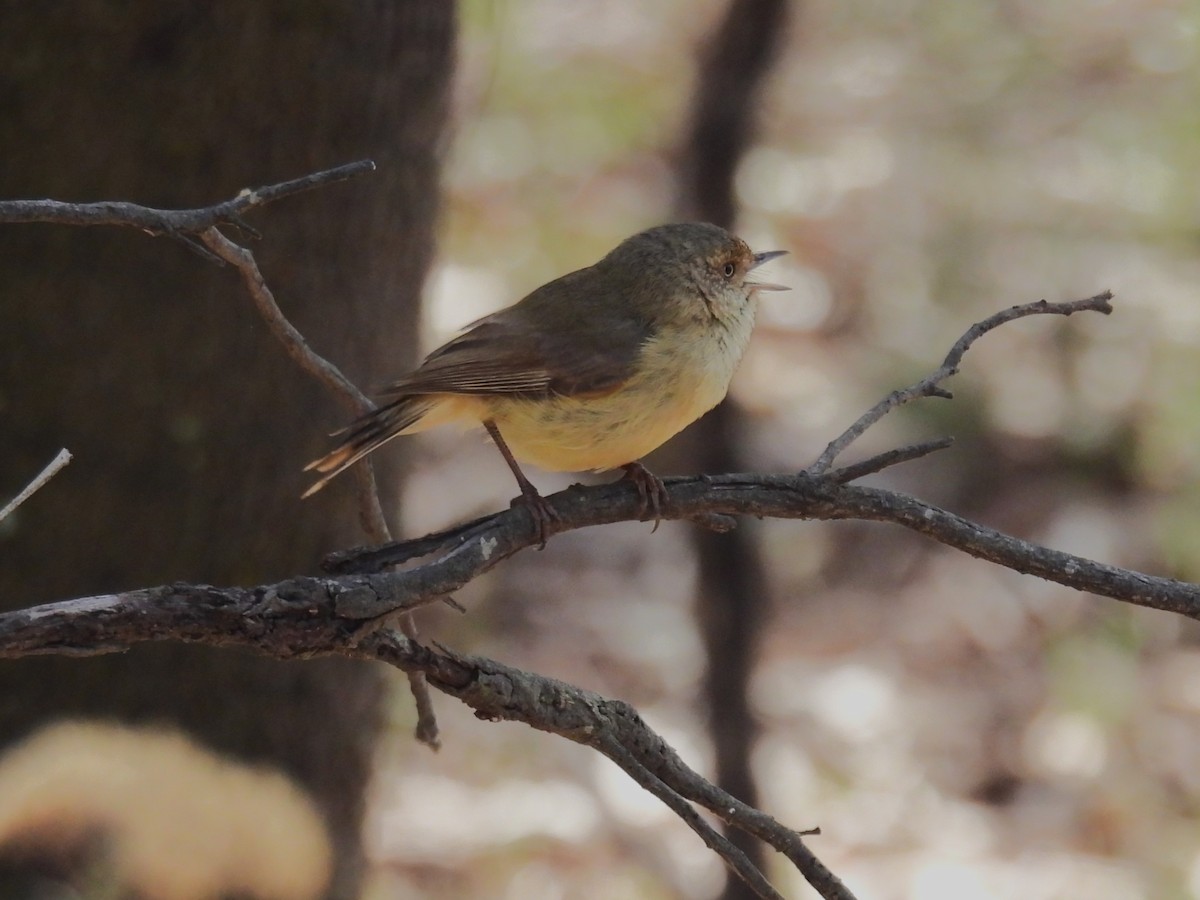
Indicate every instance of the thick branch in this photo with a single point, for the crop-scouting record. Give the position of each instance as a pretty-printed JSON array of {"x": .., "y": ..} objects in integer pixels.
[
  {"x": 305, "y": 617},
  {"x": 482, "y": 543},
  {"x": 307, "y": 613}
]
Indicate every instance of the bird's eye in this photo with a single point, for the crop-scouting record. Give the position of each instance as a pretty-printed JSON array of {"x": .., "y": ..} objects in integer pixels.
[{"x": 729, "y": 269}]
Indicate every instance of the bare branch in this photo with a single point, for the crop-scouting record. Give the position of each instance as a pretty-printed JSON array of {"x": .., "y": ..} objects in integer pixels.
[
  {"x": 60, "y": 459},
  {"x": 426, "y": 731},
  {"x": 478, "y": 546},
  {"x": 305, "y": 617},
  {"x": 356, "y": 403},
  {"x": 501, "y": 693},
  {"x": 930, "y": 386},
  {"x": 737, "y": 860},
  {"x": 354, "y": 600},
  {"x": 881, "y": 461},
  {"x": 172, "y": 221},
  {"x": 301, "y": 619},
  {"x": 346, "y": 614}
]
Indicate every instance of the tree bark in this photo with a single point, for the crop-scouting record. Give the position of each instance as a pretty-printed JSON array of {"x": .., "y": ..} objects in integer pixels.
[{"x": 188, "y": 424}]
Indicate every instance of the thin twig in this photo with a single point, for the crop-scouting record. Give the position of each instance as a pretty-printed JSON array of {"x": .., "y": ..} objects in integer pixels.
[
  {"x": 373, "y": 521},
  {"x": 658, "y": 757},
  {"x": 61, "y": 459},
  {"x": 754, "y": 821},
  {"x": 355, "y": 401},
  {"x": 737, "y": 860},
  {"x": 426, "y": 730},
  {"x": 930, "y": 385},
  {"x": 172, "y": 221},
  {"x": 881, "y": 461}
]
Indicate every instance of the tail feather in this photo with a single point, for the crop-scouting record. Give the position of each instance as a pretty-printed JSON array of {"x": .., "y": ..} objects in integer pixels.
[{"x": 366, "y": 435}]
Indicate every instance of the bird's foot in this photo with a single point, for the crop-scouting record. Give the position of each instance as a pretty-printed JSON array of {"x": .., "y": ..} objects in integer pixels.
[
  {"x": 651, "y": 490},
  {"x": 542, "y": 512}
]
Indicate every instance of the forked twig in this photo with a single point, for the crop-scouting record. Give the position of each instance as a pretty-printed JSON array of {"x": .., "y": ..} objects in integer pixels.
[
  {"x": 174, "y": 222},
  {"x": 930, "y": 385}
]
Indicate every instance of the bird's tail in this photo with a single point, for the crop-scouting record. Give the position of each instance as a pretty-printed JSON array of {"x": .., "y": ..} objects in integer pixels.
[{"x": 365, "y": 435}]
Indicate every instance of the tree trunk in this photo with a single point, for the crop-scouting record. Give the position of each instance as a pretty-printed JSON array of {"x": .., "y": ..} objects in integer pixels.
[
  {"x": 731, "y": 603},
  {"x": 188, "y": 424}
]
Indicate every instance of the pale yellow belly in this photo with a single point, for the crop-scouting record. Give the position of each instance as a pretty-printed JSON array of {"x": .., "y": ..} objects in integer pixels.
[
  {"x": 569, "y": 434},
  {"x": 573, "y": 435}
]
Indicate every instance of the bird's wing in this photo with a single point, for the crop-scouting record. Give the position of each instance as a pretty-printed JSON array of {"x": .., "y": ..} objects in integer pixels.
[{"x": 513, "y": 352}]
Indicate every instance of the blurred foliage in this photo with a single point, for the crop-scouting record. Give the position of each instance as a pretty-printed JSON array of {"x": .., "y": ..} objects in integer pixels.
[{"x": 956, "y": 729}]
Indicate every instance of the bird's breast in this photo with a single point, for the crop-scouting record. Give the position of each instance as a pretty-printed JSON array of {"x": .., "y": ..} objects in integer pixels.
[{"x": 677, "y": 379}]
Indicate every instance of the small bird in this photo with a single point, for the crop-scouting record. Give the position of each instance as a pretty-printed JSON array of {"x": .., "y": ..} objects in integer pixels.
[{"x": 591, "y": 371}]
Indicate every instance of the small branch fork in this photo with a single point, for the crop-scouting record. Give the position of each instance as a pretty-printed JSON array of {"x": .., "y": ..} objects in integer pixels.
[
  {"x": 614, "y": 728},
  {"x": 348, "y": 612},
  {"x": 181, "y": 224},
  {"x": 930, "y": 385}
]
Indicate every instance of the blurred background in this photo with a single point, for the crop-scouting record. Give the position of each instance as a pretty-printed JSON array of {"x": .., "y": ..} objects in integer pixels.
[{"x": 955, "y": 729}]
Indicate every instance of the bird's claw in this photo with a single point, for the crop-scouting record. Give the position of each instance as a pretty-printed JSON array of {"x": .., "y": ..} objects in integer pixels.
[
  {"x": 651, "y": 490},
  {"x": 542, "y": 512}
]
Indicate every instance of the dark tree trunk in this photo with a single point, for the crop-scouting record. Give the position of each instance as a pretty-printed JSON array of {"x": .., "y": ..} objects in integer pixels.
[
  {"x": 188, "y": 424},
  {"x": 732, "y": 598}
]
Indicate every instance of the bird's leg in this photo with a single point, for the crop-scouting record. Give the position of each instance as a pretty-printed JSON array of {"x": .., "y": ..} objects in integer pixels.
[
  {"x": 542, "y": 514},
  {"x": 650, "y": 488}
]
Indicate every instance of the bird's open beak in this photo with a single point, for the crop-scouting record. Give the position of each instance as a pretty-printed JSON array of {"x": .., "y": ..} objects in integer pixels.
[{"x": 759, "y": 259}]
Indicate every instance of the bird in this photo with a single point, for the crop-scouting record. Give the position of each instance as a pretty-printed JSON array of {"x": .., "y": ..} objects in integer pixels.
[{"x": 589, "y": 372}]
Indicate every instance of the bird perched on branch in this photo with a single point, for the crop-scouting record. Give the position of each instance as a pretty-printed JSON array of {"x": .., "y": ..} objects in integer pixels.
[{"x": 591, "y": 371}]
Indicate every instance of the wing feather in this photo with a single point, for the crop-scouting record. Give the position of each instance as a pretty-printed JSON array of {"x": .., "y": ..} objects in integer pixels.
[{"x": 592, "y": 352}]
